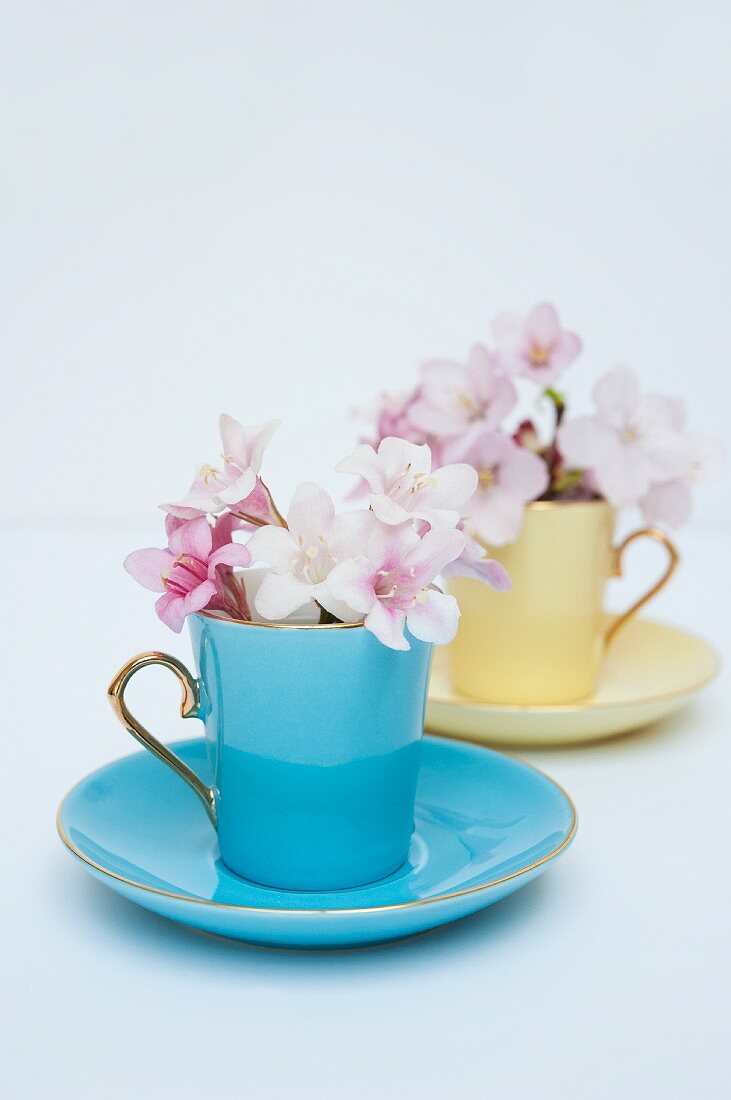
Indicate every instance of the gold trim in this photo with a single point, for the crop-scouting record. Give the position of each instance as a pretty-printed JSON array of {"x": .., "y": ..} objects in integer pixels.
[
  {"x": 660, "y": 537},
  {"x": 189, "y": 708},
  {"x": 540, "y": 505},
  {"x": 361, "y": 909},
  {"x": 278, "y": 626}
]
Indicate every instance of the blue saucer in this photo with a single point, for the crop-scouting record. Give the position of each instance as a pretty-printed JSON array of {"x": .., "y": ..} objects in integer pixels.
[{"x": 485, "y": 825}]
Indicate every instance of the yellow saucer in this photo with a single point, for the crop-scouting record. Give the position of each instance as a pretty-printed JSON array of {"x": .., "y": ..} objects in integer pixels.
[{"x": 650, "y": 671}]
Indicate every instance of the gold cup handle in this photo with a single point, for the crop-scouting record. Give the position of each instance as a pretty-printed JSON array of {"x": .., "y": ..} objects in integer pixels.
[
  {"x": 618, "y": 554},
  {"x": 189, "y": 708}
]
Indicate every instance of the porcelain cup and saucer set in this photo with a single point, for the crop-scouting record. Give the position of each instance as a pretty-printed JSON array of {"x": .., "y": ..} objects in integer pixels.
[
  {"x": 543, "y": 664},
  {"x": 314, "y": 812},
  {"x": 323, "y": 817}
]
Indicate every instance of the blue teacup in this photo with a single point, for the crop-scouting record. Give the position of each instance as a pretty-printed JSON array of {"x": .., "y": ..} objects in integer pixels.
[{"x": 314, "y": 736}]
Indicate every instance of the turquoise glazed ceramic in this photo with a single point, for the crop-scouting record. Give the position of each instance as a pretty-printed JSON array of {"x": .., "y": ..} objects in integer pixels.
[
  {"x": 313, "y": 736},
  {"x": 485, "y": 825}
]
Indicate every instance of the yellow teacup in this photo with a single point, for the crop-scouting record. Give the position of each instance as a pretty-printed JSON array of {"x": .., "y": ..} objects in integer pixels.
[{"x": 543, "y": 641}]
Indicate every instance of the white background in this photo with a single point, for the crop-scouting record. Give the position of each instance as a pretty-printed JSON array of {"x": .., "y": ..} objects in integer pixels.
[{"x": 278, "y": 209}]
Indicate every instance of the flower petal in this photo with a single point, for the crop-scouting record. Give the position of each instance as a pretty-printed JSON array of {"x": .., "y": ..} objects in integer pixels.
[
  {"x": 233, "y": 437},
  {"x": 198, "y": 597},
  {"x": 349, "y": 533},
  {"x": 437, "y": 420},
  {"x": 273, "y": 545},
  {"x": 389, "y": 545},
  {"x": 281, "y": 594},
  {"x": 617, "y": 394},
  {"x": 705, "y": 458},
  {"x": 542, "y": 325},
  {"x": 199, "y": 499},
  {"x": 387, "y": 625},
  {"x": 243, "y": 452},
  {"x": 660, "y": 414},
  {"x": 438, "y": 518},
  {"x": 670, "y": 503},
  {"x": 435, "y": 550},
  {"x": 524, "y": 474},
  {"x": 233, "y": 553},
  {"x": 259, "y": 505},
  {"x": 223, "y": 529},
  {"x": 194, "y": 538},
  {"x": 258, "y": 439},
  {"x": 625, "y": 476},
  {"x": 503, "y": 399},
  {"x": 449, "y": 487},
  {"x": 666, "y": 454},
  {"x": 364, "y": 463},
  {"x": 446, "y": 400},
  {"x": 388, "y": 511},
  {"x": 172, "y": 523},
  {"x": 239, "y": 488},
  {"x": 566, "y": 347},
  {"x": 480, "y": 446},
  {"x": 310, "y": 514},
  {"x": 148, "y": 567},
  {"x": 586, "y": 442},
  {"x": 339, "y": 608},
  {"x": 497, "y": 517},
  {"x": 399, "y": 455},
  {"x": 245, "y": 446},
  {"x": 433, "y": 617},
  {"x": 352, "y": 582},
  {"x": 485, "y": 569},
  {"x": 170, "y": 610}
]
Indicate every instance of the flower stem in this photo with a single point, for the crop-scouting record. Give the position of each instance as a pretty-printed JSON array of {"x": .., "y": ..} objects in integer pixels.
[
  {"x": 551, "y": 453},
  {"x": 326, "y": 618},
  {"x": 558, "y": 402},
  {"x": 280, "y": 518}
]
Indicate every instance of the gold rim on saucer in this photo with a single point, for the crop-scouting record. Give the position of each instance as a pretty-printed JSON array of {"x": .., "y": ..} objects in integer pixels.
[{"x": 292, "y": 912}]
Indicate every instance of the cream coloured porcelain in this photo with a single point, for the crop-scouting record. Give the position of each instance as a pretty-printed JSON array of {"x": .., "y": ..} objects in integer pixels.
[
  {"x": 650, "y": 671},
  {"x": 545, "y": 640}
]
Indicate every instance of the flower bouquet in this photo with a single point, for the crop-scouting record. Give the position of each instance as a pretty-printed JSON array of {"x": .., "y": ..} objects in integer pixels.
[
  {"x": 375, "y": 565},
  {"x": 545, "y": 500}
]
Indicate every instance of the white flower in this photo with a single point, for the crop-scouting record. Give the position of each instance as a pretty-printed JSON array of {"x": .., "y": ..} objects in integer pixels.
[
  {"x": 403, "y": 486},
  {"x": 216, "y": 488},
  {"x": 671, "y": 502},
  {"x": 303, "y": 555},
  {"x": 632, "y": 442}
]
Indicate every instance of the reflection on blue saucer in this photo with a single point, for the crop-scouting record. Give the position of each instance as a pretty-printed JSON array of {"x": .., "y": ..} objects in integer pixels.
[{"x": 485, "y": 825}]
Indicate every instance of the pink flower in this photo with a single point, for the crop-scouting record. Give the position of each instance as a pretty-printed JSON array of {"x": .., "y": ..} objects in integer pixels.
[
  {"x": 534, "y": 346},
  {"x": 508, "y": 477},
  {"x": 670, "y": 502},
  {"x": 236, "y": 481},
  {"x": 258, "y": 509},
  {"x": 195, "y": 571},
  {"x": 474, "y": 562},
  {"x": 454, "y": 395},
  {"x": 303, "y": 556},
  {"x": 630, "y": 444},
  {"x": 392, "y": 416},
  {"x": 402, "y": 484},
  {"x": 392, "y": 584}
]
